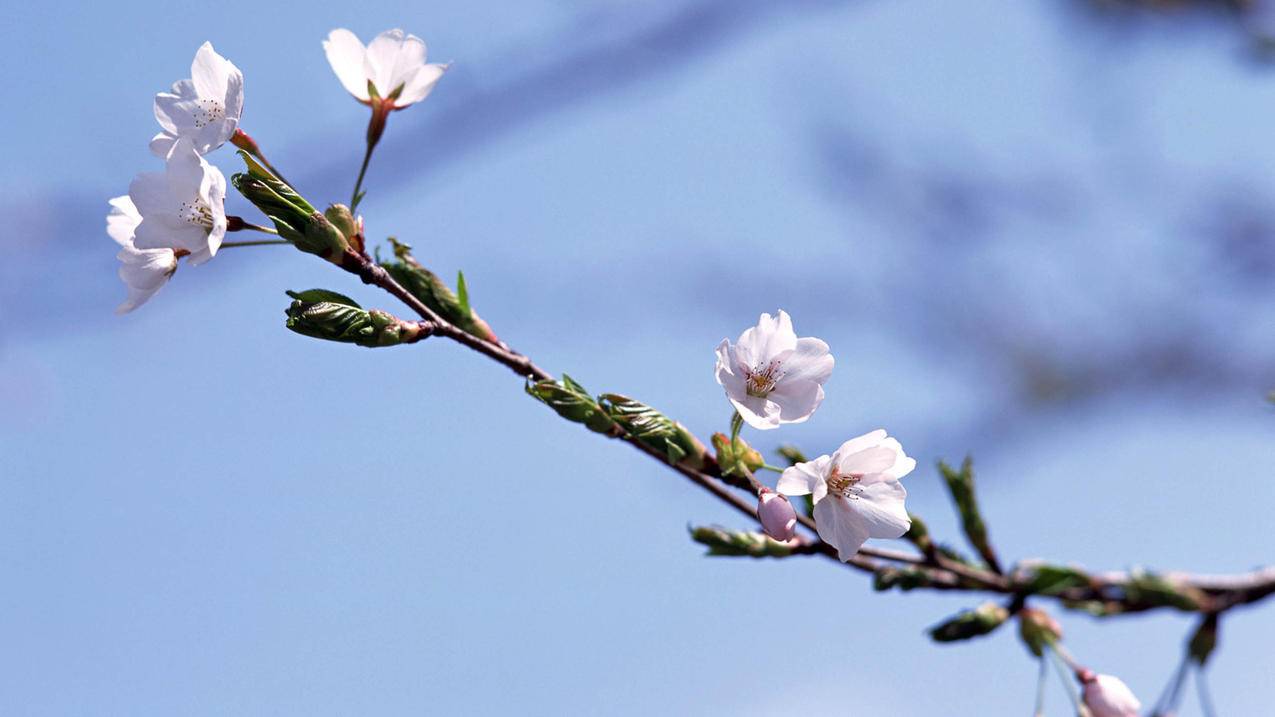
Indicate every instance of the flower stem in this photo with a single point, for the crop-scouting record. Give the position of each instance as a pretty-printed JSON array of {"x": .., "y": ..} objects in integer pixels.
[
  {"x": 243, "y": 141},
  {"x": 736, "y": 424},
  {"x": 358, "y": 184},
  {"x": 1172, "y": 693},
  {"x": 375, "y": 128},
  {"x": 768, "y": 467},
  {"x": 1201, "y": 688},
  {"x": 255, "y": 242},
  {"x": 1072, "y": 692},
  {"x": 237, "y": 224},
  {"x": 1040, "y": 689}
]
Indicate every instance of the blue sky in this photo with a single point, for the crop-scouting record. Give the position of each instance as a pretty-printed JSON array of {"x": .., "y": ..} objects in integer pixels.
[{"x": 1000, "y": 218}]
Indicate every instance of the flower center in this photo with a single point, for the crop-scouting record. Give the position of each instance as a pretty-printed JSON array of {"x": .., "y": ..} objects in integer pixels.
[
  {"x": 207, "y": 111},
  {"x": 846, "y": 485},
  {"x": 762, "y": 378},
  {"x": 196, "y": 212}
]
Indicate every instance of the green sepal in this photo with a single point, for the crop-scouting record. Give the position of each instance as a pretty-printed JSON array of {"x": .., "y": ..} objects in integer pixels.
[{"x": 1037, "y": 629}]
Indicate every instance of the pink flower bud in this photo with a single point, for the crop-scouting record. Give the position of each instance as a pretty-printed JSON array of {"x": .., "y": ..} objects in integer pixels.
[
  {"x": 1108, "y": 696},
  {"x": 776, "y": 515}
]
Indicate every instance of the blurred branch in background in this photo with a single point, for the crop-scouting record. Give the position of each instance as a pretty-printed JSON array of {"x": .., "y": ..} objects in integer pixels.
[
  {"x": 956, "y": 225},
  {"x": 1021, "y": 273},
  {"x": 1254, "y": 19}
]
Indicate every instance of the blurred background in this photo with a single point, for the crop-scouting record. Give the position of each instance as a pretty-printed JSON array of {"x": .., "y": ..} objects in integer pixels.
[{"x": 1039, "y": 233}]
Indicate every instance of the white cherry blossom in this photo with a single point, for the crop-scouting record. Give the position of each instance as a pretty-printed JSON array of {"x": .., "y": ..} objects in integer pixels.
[
  {"x": 856, "y": 491},
  {"x": 181, "y": 208},
  {"x": 143, "y": 271},
  {"x": 771, "y": 376},
  {"x": 393, "y": 62},
  {"x": 1109, "y": 696},
  {"x": 205, "y": 108}
]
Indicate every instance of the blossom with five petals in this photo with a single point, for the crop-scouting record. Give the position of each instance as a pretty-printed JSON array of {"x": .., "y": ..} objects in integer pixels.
[
  {"x": 205, "y": 108},
  {"x": 771, "y": 376},
  {"x": 392, "y": 67},
  {"x": 143, "y": 271},
  {"x": 856, "y": 491},
  {"x": 1108, "y": 696},
  {"x": 181, "y": 208}
]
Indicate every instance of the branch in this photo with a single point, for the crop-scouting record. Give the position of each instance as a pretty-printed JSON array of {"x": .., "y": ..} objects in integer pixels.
[{"x": 1101, "y": 594}]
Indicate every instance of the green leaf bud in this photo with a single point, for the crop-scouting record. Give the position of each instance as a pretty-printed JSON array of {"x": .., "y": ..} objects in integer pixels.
[
  {"x": 970, "y": 623},
  {"x": 330, "y": 316},
  {"x": 741, "y": 543},
  {"x": 571, "y": 401}
]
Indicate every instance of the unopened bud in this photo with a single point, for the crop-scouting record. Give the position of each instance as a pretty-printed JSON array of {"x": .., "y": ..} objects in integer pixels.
[
  {"x": 1038, "y": 629},
  {"x": 294, "y": 218},
  {"x": 1108, "y": 696},
  {"x": 322, "y": 237},
  {"x": 343, "y": 219},
  {"x": 777, "y": 517},
  {"x": 736, "y": 458}
]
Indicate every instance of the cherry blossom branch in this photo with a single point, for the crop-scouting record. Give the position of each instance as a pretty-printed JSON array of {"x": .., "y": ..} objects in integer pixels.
[
  {"x": 1110, "y": 593},
  {"x": 770, "y": 376}
]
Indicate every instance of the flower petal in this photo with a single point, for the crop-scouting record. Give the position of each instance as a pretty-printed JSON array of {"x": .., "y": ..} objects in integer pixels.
[
  {"x": 809, "y": 360},
  {"x": 144, "y": 272},
  {"x": 880, "y": 503},
  {"x": 173, "y": 109},
  {"x": 757, "y": 412},
  {"x": 903, "y": 465},
  {"x": 727, "y": 377},
  {"x": 867, "y": 440},
  {"x": 808, "y": 478},
  {"x": 877, "y": 459},
  {"x": 162, "y": 143},
  {"x": 408, "y": 61},
  {"x": 210, "y": 73},
  {"x": 770, "y": 337},
  {"x": 149, "y": 192},
  {"x": 840, "y": 526},
  {"x": 346, "y": 55},
  {"x": 420, "y": 84},
  {"x": 796, "y": 399},
  {"x": 122, "y": 220},
  {"x": 382, "y": 58}
]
